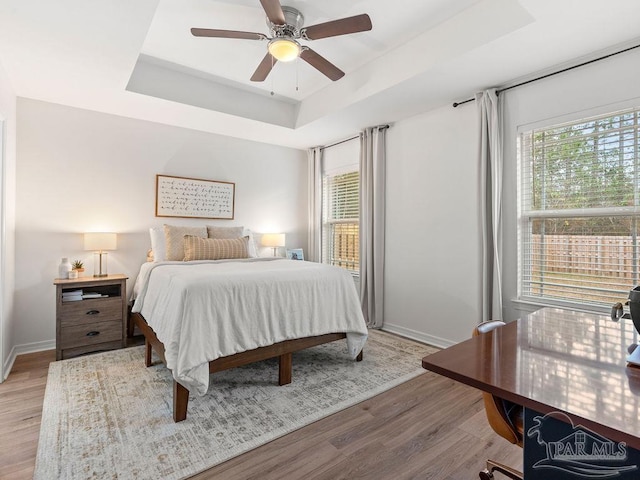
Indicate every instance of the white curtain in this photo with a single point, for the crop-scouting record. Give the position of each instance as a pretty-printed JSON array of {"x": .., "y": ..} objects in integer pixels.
[
  {"x": 315, "y": 204},
  {"x": 490, "y": 162},
  {"x": 372, "y": 219}
]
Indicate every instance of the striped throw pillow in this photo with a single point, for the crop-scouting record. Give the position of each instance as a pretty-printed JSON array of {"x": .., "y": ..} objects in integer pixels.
[{"x": 196, "y": 248}]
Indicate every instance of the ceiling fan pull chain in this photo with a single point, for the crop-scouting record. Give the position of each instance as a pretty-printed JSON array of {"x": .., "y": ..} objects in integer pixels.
[
  {"x": 272, "y": 64},
  {"x": 297, "y": 68}
]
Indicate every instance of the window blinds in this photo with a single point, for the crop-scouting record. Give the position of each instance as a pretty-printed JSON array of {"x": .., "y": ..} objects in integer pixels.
[
  {"x": 579, "y": 208},
  {"x": 340, "y": 211}
]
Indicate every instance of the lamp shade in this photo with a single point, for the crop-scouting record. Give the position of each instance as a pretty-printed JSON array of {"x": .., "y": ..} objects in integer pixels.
[
  {"x": 100, "y": 241},
  {"x": 273, "y": 239},
  {"x": 284, "y": 49}
]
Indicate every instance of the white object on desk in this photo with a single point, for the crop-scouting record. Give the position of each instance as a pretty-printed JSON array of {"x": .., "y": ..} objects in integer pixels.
[{"x": 634, "y": 357}]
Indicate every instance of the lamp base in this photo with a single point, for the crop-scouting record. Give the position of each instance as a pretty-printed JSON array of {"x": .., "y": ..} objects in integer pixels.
[{"x": 100, "y": 264}]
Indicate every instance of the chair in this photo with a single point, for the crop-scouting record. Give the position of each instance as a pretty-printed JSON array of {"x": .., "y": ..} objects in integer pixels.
[{"x": 505, "y": 418}]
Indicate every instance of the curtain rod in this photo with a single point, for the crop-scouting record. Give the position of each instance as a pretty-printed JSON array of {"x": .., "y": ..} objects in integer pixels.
[
  {"x": 455, "y": 104},
  {"x": 379, "y": 127}
]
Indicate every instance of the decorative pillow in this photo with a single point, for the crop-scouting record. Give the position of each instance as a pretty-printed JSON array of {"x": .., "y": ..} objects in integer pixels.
[
  {"x": 174, "y": 238},
  {"x": 214, "y": 231},
  {"x": 224, "y": 232},
  {"x": 196, "y": 248},
  {"x": 158, "y": 244}
]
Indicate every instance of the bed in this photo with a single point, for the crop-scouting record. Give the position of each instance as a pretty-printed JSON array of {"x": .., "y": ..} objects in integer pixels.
[{"x": 206, "y": 316}]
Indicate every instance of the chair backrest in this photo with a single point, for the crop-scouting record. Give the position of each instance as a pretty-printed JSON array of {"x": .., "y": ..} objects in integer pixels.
[{"x": 500, "y": 413}]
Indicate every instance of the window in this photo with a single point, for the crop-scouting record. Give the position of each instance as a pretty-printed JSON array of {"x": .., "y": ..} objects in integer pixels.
[
  {"x": 340, "y": 219},
  {"x": 579, "y": 210}
]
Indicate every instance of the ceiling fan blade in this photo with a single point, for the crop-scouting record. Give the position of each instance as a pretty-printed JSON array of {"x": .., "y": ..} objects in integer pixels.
[
  {"x": 359, "y": 23},
  {"x": 264, "y": 68},
  {"x": 321, "y": 64},
  {"x": 274, "y": 12},
  {"x": 209, "y": 32}
]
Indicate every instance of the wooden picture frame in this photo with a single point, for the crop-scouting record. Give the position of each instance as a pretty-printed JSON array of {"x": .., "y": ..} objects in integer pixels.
[{"x": 194, "y": 198}]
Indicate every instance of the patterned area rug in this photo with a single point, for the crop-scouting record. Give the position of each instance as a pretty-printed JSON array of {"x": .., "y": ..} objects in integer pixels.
[{"x": 107, "y": 416}]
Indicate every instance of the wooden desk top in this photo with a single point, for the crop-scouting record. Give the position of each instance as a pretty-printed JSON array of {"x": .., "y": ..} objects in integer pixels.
[{"x": 556, "y": 360}]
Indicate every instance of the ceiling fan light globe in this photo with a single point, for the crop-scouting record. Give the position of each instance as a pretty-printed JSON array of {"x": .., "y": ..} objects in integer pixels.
[{"x": 284, "y": 49}]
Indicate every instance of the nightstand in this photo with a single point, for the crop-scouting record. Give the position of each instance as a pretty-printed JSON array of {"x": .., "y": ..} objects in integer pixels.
[{"x": 95, "y": 323}]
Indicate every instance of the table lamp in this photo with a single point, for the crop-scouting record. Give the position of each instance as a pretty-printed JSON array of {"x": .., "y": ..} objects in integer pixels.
[
  {"x": 99, "y": 242},
  {"x": 273, "y": 240}
]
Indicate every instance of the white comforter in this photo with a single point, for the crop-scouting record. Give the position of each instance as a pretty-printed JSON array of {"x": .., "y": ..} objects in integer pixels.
[{"x": 205, "y": 310}]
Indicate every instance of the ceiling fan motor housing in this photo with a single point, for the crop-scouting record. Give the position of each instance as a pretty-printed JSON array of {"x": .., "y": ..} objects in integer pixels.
[{"x": 293, "y": 21}]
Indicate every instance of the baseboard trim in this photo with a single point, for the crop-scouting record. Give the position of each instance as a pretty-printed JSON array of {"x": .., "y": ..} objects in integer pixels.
[
  {"x": 24, "y": 349},
  {"x": 419, "y": 336},
  {"x": 8, "y": 364}
]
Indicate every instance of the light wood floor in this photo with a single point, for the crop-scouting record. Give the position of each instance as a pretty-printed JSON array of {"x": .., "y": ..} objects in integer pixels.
[{"x": 428, "y": 428}]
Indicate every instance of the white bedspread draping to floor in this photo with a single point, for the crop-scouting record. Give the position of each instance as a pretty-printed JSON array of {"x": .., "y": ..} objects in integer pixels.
[{"x": 205, "y": 310}]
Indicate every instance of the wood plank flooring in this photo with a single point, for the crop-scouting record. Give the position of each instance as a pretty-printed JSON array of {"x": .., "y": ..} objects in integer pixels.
[
  {"x": 428, "y": 428},
  {"x": 21, "y": 397}
]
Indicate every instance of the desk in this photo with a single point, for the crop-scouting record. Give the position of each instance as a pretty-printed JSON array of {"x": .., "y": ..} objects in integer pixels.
[{"x": 556, "y": 360}]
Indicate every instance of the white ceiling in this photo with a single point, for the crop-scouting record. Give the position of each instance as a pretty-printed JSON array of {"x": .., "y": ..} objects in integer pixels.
[
  {"x": 169, "y": 37},
  {"x": 138, "y": 58}
]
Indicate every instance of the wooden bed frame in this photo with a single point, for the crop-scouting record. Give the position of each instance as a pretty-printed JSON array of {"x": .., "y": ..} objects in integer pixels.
[{"x": 282, "y": 350}]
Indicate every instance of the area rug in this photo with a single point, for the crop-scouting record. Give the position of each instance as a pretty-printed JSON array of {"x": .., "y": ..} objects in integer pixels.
[{"x": 106, "y": 416}]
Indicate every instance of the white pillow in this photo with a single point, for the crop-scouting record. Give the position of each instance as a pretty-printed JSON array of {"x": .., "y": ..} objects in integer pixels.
[
  {"x": 252, "y": 249},
  {"x": 158, "y": 244}
]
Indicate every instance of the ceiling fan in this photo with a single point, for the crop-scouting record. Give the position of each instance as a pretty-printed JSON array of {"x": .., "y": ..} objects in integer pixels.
[{"x": 285, "y": 25}]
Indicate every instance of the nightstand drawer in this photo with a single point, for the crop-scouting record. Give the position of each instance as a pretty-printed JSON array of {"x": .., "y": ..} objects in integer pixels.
[
  {"x": 93, "y": 310},
  {"x": 90, "y": 333}
]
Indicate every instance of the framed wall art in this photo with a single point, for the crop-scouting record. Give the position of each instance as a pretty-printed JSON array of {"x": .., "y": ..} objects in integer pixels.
[{"x": 194, "y": 198}]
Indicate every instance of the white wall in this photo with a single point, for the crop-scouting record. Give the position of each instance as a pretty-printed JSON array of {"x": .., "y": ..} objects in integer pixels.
[
  {"x": 7, "y": 217},
  {"x": 81, "y": 171},
  {"x": 601, "y": 87},
  {"x": 433, "y": 238},
  {"x": 432, "y": 275}
]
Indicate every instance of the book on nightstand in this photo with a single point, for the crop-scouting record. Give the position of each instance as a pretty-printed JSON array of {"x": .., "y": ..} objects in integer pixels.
[
  {"x": 93, "y": 295},
  {"x": 72, "y": 296}
]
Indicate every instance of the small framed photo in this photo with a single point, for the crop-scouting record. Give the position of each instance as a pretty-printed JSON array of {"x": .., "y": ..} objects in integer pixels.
[{"x": 295, "y": 254}]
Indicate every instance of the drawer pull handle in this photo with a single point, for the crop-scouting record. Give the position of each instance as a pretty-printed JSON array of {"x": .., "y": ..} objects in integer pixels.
[
  {"x": 93, "y": 333},
  {"x": 93, "y": 312}
]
